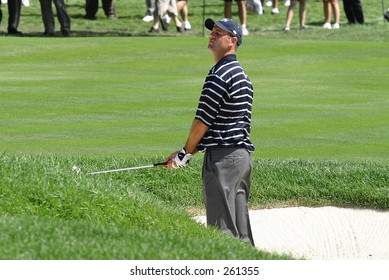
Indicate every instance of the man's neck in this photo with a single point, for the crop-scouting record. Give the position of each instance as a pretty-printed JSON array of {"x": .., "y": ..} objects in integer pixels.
[{"x": 218, "y": 57}]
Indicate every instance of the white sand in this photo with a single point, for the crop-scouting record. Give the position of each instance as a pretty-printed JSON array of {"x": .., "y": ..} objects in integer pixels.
[{"x": 326, "y": 233}]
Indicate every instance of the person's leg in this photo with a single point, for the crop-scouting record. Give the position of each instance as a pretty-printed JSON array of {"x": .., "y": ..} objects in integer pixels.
[
  {"x": 155, "y": 27},
  {"x": 242, "y": 197},
  {"x": 228, "y": 8},
  {"x": 226, "y": 188},
  {"x": 182, "y": 7},
  {"x": 336, "y": 9},
  {"x": 358, "y": 12},
  {"x": 47, "y": 17},
  {"x": 1, "y": 13},
  {"x": 348, "y": 10},
  {"x": 173, "y": 13},
  {"x": 109, "y": 8},
  {"x": 150, "y": 6},
  {"x": 242, "y": 217},
  {"x": 242, "y": 13},
  {"x": 275, "y": 9},
  {"x": 161, "y": 7},
  {"x": 302, "y": 13},
  {"x": 289, "y": 14},
  {"x": 91, "y": 7},
  {"x": 14, "y": 9},
  {"x": 218, "y": 211},
  {"x": 63, "y": 17},
  {"x": 327, "y": 14}
]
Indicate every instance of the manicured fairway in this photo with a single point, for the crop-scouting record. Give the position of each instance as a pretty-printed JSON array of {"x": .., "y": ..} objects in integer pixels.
[{"x": 137, "y": 96}]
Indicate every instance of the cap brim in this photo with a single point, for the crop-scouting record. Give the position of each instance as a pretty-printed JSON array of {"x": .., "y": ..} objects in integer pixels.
[{"x": 209, "y": 23}]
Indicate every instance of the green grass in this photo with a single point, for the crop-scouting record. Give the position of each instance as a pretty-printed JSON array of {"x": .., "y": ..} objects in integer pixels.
[
  {"x": 49, "y": 212},
  {"x": 113, "y": 96},
  {"x": 307, "y": 104}
]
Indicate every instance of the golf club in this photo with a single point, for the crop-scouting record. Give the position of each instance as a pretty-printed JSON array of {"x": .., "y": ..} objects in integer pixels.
[{"x": 128, "y": 168}]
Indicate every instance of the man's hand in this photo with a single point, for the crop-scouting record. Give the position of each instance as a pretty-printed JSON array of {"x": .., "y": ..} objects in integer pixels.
[{"x": 178, "y": 159}]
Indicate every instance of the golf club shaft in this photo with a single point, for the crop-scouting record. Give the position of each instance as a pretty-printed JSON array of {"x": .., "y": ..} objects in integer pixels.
[{"x": 127, "y": 168}]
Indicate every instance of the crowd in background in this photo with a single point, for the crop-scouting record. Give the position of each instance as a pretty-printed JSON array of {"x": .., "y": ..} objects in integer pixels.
[{"x": 163, "y": 12}]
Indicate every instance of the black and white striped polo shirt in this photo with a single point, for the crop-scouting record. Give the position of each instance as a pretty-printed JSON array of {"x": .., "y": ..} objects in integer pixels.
[{"x": 225, "y": 106}]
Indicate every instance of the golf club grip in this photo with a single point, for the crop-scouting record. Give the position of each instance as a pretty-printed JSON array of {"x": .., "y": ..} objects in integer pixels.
[{"x": 159, "y": 163}]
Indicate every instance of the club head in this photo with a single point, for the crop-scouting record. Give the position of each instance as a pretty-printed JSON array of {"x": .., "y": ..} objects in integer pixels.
[{"x": 76, "y": 169}]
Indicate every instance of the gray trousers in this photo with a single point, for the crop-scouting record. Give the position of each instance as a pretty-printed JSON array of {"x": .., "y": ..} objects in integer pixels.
[{"x": 226, "y": 189}]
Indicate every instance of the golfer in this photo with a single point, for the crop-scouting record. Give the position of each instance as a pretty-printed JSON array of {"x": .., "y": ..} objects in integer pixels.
[{"x": 221, "y": 129}]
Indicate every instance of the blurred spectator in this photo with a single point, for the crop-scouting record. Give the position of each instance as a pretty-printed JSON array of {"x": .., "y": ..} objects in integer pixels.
[
  {"x": 161, "y": 8},
  {"x": 48, "y": 17},
  {"x": 242, "y": 13},
  {"x": 91, "y": 7},
  {"x": 290, "y": 13},
  {"x": 354, "y": 12},
  {"x": 331, "y": 5},
  {"x": 14, "y": 8}
]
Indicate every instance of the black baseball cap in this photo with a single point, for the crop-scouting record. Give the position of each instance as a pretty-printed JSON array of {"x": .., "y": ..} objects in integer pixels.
[{"x": 228, "y": 25}]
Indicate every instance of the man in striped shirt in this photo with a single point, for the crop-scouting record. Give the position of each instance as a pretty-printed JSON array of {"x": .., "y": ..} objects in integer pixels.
[{"x": 221, "y": 129}]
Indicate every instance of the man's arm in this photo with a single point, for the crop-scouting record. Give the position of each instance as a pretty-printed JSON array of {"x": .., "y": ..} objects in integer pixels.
[{"x": 196, "y": 133}]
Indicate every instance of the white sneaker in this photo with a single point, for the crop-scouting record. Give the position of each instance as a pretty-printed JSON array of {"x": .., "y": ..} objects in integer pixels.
[
  {"x": 275, "y": 11},
  {"x": 335, "y": 26},
  {"x": 269, "y": 3},
  {"x": 286, "y": 28},
  {"x": 187, "y": 25},
  {"x": 4, "y": 1},
  {"x": 166, "y": 18},
  {"x": 245, "y": 32},
  {"x": 148, "y": 18},
  {"x": 26, "y": 3},
  {"x": 287, "y": 3},
  {"x": 327, "y": 25}
]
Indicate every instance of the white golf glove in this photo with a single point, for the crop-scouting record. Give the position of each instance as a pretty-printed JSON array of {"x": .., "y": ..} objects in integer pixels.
[{"x": 181, "y": 159}]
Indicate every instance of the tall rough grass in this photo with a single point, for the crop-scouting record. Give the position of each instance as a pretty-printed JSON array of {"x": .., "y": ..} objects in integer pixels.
[{"x": 49, "y": 212}]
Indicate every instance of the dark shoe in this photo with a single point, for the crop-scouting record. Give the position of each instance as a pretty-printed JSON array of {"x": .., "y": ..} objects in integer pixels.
[
  {"x": 153, "y": 30},
  {"x": 1, "y": 15},
  {"x": 48, "y": 33},
  {"x": 180, "y": 28},
  {"x": 164, "y": 24},
  {"x": 65, "y": 33},
  {"x": 386, "y": 15},
  {"x": 89, "y": 17},
  {"x": 14, "y": 32}
]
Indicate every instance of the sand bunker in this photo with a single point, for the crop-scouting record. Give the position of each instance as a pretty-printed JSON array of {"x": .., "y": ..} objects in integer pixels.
[{"x": 325, "y": 233}]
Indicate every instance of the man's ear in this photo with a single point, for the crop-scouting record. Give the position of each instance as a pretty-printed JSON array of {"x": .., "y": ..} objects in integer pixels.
[{"x": 234, "y": 40}]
